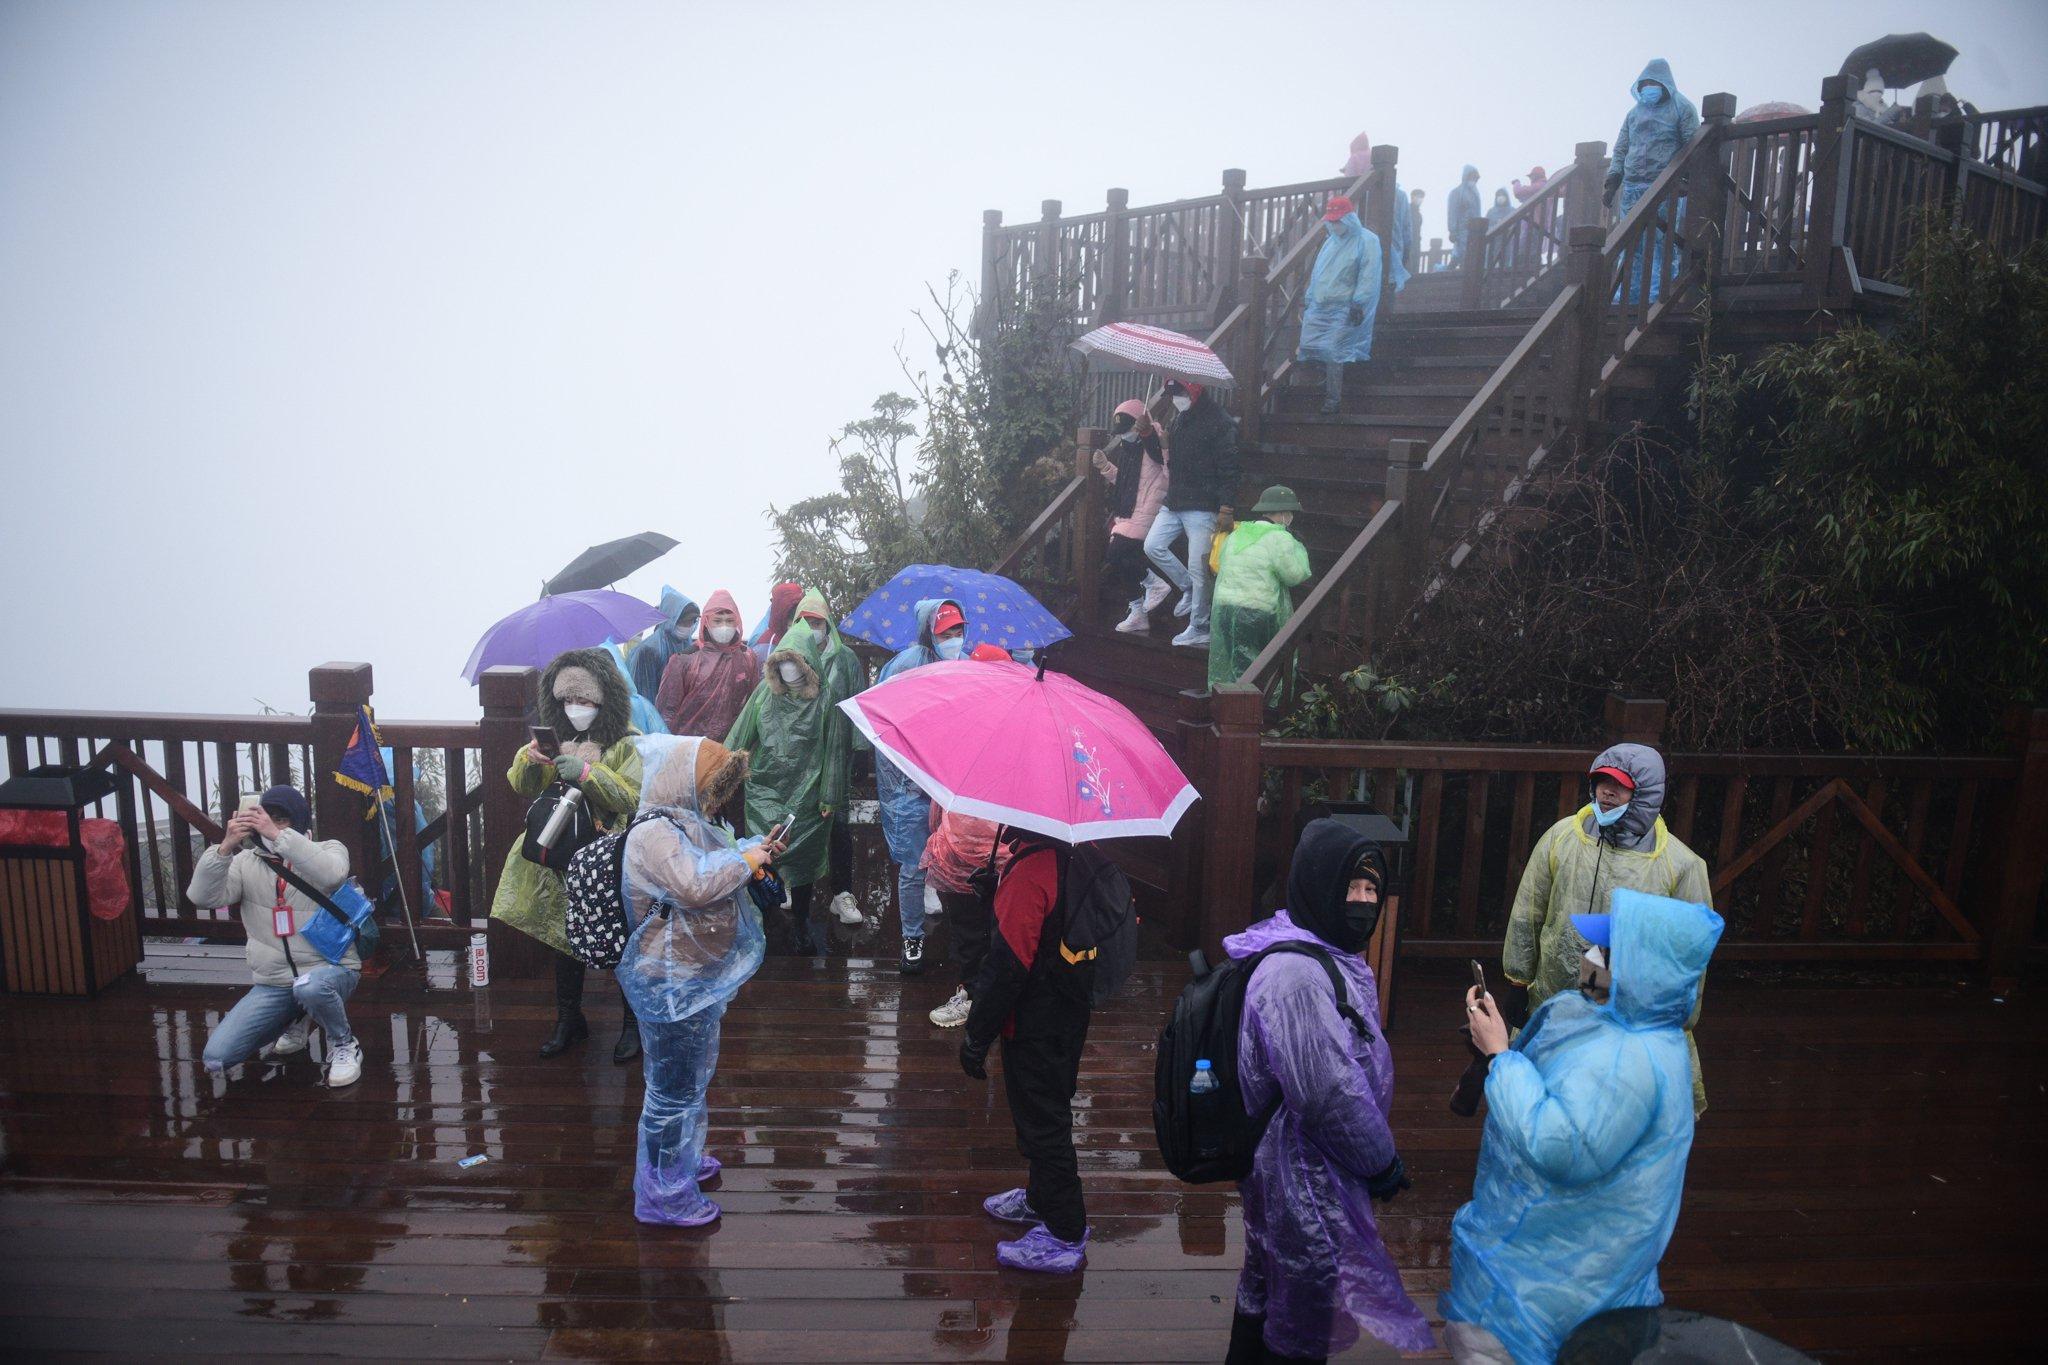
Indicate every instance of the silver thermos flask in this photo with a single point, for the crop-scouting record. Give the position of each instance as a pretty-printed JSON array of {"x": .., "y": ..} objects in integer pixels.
[{"x": 565, "y": 811}]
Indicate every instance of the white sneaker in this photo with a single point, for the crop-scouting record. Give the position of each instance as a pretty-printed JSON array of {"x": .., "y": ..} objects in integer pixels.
[
  {"x": 932, "y": 904},
  {"x": 954, "y": 1012},
  {"x": 344, "y": 1064},
  {"x": 1185, "y": 607},
  {"x": 292, "y": 1041},
  {"x": 1192, "y": 639},
  {"x": 1156, "y": 589},
  {"x": 1137, "y": 623},
  {"x": 844, "y": 908}
]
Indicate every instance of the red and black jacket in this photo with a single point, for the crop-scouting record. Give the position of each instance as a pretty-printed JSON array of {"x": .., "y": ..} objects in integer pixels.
[{"x": 1030, "y": 986}]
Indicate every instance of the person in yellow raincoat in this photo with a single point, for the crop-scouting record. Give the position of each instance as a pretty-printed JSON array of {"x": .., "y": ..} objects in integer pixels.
[
  {"x": 1617, "y": 839},
  {"x": 588, "y": 703}
]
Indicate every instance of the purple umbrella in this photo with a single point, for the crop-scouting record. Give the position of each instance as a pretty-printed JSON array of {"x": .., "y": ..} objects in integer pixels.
[{"x": 570, "y": 620}]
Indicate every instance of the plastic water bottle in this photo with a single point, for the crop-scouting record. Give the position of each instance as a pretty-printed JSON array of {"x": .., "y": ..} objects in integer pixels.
[
  {"x": 1204, "y": 1079},
  {"x": 1203, "y": 1100}
]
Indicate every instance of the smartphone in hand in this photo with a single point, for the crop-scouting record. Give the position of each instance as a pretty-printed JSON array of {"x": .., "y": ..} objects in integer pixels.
[
  {"x": 1479, "y": 977},
  {"x": 545, "y": 740}
]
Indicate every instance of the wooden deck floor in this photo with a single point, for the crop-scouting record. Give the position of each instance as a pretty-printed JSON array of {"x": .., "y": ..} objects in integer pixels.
[{"x": 1869, "y": 1183}]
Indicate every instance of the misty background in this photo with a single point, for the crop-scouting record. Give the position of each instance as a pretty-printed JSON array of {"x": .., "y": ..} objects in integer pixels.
[{"x": 328, "y": 331}]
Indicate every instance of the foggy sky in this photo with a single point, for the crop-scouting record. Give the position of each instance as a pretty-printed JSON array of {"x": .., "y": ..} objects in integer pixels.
[{"x": 327, "y": 331}]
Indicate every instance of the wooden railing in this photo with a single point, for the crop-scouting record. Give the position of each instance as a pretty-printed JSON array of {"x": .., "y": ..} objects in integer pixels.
[
  {"x": 1812, "y": 856},
  {"x": 1769, "y": 168},
  {"x": 1521, "y": 263},
  {"x": 2010, "y": 139},
  {"x": 180, "y": 777}
]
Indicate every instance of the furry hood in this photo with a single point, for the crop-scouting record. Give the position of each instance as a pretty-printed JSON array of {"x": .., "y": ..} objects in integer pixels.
[
  {"x": 615, "y": 712},
  {"x": 799, "y": 646}
]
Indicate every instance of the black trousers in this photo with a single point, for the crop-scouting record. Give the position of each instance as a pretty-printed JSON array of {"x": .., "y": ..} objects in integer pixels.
[
  {"x": 970, "y": 921},
  {"x": 1123, "y": 568},
  {"x": 1248, "y": 1345},
  {"x": 839, "y": 849},
  {"x": 1040, "y": 1075}
]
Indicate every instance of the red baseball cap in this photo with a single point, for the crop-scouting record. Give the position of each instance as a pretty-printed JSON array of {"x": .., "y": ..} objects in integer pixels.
[
  {"x": 1339, "y": 206},
  {"x": 1617, "y": 774},
  {"x": 946, "y": 617},
  {"x": 990, "y": 654}
]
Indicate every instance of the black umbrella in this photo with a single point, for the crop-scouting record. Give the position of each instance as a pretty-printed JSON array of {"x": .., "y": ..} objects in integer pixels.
[
  {"x": 1642, "y": 1336},
  {"x": 1902, "y": 58},
  {"x": 603, "y": 565}
]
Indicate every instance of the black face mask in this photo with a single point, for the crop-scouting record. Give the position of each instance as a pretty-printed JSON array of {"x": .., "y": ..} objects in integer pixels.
[
  {"x": 1124, "y": 422},
  {"x": 1360, "y": 919}
]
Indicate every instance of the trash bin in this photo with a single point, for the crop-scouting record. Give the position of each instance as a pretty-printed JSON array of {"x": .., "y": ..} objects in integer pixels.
[{"x": 50, "y": 941}]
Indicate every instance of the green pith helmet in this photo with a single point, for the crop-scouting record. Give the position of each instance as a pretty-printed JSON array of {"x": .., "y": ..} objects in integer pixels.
[{"x": 1278, "y": 498}]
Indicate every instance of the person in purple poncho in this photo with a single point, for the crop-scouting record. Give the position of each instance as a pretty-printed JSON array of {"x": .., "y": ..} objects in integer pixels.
[{"x": 1316, "y": 1270}]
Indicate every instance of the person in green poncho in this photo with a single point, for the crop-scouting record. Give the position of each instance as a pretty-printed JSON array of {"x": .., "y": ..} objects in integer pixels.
[
  {"x": 795, "y": 735},
  {"x": 588, "y": 703},
  {"x": 1259, "y": 566},
  {"x": 845, "y": 676}
]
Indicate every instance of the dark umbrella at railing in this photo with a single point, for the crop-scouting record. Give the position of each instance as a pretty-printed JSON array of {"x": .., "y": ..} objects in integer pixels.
[
  {"x": 600, "y": 566},
  {"x": 1901, "y": 58}
]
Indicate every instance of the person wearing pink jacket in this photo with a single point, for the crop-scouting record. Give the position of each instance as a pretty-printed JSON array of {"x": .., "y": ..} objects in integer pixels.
[{"x": 1135, "y": 465}]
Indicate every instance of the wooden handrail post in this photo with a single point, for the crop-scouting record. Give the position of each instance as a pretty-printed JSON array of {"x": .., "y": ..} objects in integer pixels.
[
  {"x": 1230, "y": 813},
  {"x": 1635, "y": 720},
  {"x": 2022, "y": 850},
  {"x": 508, "y": 695},
  {"x": 1229, "y": 244},
  {"x": 1706, "y": 205},
  {"x": 1828, "y": 206},
  {"x": 1091, "y": 525},
  {"x": 1379, "y": 216},
  {"x": 1046, "y": 271},
  {"x": 1475, "y": 264},
  {"x": 985, "y": 316},
  {"x": 1582, "y": 194},
  {"x": 1412, "y": 486},
  {"x": 1253, "y": 281},
  {"x": 1116, "y": 262},
  {"x": 1586, "y": 266},
  {"x": 337, "y": 689}
]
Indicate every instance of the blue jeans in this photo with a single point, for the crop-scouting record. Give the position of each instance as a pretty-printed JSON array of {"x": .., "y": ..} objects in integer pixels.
[
  {"x": 681, "y": 1057},
  {"x": 1193, "y": 578},
  {"x": 267, "y": 1011},
  {"x": 910, "y": 899}
]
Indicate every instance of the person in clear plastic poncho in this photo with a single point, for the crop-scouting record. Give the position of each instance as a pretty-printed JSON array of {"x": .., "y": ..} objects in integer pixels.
[
  {"x": 1343, "y": 299},
  {"x": 695, "y": 938},
  {"x": 1617, "y": 839},
  {"x": 1589, "y": 1124},
  {"x": 797, "y": 738}
]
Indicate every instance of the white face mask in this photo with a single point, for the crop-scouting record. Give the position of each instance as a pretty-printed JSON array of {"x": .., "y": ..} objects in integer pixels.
[
  {"x": 1181, "y": 402},
  {"x": 950, "y": 649},
  {"x": 580, "y": 717},
  {"x": 792, "y": 672},
  {"x": 724, "y": 634}
]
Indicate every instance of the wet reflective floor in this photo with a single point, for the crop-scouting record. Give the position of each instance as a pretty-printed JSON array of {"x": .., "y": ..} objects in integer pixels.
[{"x": 1869, "y": 1182}]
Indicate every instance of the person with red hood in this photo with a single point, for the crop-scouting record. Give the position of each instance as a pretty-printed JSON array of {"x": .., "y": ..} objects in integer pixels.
[
  {"x": 703, "y": 691},
  {"x": 782, "y": 600}
]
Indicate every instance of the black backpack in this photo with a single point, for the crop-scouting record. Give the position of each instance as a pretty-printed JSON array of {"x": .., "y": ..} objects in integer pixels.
[
  {"x": 1213, "y": 1136},
  {"x": 569, "y": 841},
  {"x": 1101, "y": 916},
  {"x": 596, "y": 899}
]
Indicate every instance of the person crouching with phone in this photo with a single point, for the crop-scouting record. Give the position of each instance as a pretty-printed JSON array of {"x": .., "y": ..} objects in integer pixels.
[
  {"x": 585, "y": 739},
  {"x": 295, "y": 986},
  {"x": 1589, "y": 1123}
]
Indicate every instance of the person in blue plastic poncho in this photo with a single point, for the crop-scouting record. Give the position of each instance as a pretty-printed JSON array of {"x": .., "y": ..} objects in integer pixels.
[
  {"x": 675, "y": 635},
  {"x": 646, "y": 716},
  {"x": 1404, "y": 239},
  {"x": 1589, "y": 1123},
  {"x": 695, "y": 938},
  {"x": 1653, "y": 132},
  {"x": 1343, "y": 299},
  {"x": 906, "y": 810},
  {"x": 1461, "y": 206}
]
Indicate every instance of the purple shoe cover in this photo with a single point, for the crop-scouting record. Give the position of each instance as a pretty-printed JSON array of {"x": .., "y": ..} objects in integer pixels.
[
  {"x": 1011, "y": 1206},
  {"x": 708, "y": 1167},
  {"x": 1039, "y": 1250},
  {"x": 695, "y": 1216}
]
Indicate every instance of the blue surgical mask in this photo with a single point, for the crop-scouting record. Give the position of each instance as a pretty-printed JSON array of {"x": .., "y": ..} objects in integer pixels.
[
  {"x": 1647, "y": 95},
  {"x": 951, "y": 649},
  {"x": 1604, "y": 817}
]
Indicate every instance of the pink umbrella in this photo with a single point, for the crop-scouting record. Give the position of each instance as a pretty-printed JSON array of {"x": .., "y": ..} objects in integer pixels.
[{"x": 1034, "y": 750}]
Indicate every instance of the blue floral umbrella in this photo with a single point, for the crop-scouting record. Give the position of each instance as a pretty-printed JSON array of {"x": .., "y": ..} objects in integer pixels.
[{"x": 998, "y": 611}]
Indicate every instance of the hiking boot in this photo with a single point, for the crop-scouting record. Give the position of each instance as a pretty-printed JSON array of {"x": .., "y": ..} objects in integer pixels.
[
  {"x": 1011, "y": 1206},
  {"x": 344, "y": 1064},
  {"x": 932, "y": 904},
  {"x": 1137, "y": 623},
  {"x": 913, "y": 955},
  {"x": 845, "y": 909},
  {"x": 292, "y": 1041},
  {"x": 954, "y": 1012},
  {"x": 1192, "y": 639},
  {"x": 1039, "y": 1250}
]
